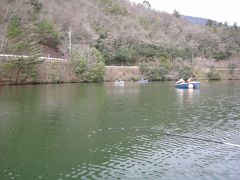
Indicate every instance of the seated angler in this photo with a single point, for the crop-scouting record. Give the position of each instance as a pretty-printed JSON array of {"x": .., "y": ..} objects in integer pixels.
[{"x": 180, "y": 81}]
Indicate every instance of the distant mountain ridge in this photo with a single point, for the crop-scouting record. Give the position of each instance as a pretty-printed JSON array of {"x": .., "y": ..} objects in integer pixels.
[{"x": 197, "y": 20}]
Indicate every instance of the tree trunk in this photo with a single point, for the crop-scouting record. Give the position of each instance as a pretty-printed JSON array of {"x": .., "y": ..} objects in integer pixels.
[
  {"x": 18, "y": 72},
  {"x": 10, "y": 78}
]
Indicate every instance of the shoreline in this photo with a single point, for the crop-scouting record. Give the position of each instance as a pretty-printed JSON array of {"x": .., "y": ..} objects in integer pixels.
[{"x": 58, "y": 73}]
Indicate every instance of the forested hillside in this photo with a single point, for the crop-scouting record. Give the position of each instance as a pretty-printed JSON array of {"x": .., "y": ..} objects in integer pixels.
[{"x": 117, "y": 31}]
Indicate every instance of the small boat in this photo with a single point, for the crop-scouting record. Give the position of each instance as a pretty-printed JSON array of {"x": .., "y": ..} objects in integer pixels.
[
  {"x": 119, "y": 82},
  {"x": 143, "y": 81},
  {"x": 191, "y": 85}
]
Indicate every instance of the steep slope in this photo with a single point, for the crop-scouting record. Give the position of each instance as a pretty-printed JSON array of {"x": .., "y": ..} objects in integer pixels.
[{"x": 124, "y": 32}]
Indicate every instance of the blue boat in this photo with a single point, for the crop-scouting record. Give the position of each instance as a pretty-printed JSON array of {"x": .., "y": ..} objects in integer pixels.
[{"x": 191, "y": 85}]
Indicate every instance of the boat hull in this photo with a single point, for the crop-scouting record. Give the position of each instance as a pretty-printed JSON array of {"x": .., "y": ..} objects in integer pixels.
[
  {"x": 143, "y": 81},
  {"x": 119, "y": 83},
  {"x": 191, "y": 85}
]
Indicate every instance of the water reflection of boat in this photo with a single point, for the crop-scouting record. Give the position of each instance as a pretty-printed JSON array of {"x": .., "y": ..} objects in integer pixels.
[
  {"x": 187, "y": 95},
  {"x": 191, "y": 85}
]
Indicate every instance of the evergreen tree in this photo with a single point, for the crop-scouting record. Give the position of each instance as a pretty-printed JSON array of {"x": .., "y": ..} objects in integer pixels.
[
  {"x": 176, "y": 13},
  {"x": 146, "y": 4},
  {"x": 235, "y": 26},
  {"x": 209, "y": 23},
  {"x": 22, "y": 42}
]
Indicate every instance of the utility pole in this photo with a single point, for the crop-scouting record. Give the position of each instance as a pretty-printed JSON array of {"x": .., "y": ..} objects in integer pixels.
[
  {"x": 70, "y": 41},
  {"x": 192, "y": 63},
  {"x": 192, "y": 56}
]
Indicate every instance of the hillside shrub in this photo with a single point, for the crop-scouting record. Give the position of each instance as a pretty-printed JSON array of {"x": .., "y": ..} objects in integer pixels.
[
  {"x": 36, "y": 4},
  {"x": 89, "y": 70},
  {"x": 213, "y": 75},
  {"x": 48, "y": 34},
  {"x": 96, "y": 73},
  {"x": 19, "y": 47},
  {"x": 145, "y": 22},
  {"x": 146, "y": 51},
  {"x": 151, "y": 51},
  {"x": 106, "y": 2},
  {"x": 81, "y": 66},
  {"x": 154, "y": 71},
  {"x": 185, "y": 53},
  {"x": 185, "y": 73},
  {"x": 115, "y": 9},
  {"x": 14, "y": 28},
  {"x": 231, "y": 68},
  {"x": 125, "y": 56},
  {"x": 221, "y": 55}
]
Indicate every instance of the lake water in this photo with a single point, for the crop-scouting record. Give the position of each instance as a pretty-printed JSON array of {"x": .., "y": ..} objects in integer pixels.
[{"x": 100, "y": 131}]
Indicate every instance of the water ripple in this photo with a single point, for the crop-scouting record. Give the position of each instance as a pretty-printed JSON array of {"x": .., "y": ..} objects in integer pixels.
[{"x": 159, "y": 156}]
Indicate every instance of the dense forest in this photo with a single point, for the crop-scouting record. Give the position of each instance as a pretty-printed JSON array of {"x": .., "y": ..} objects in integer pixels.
[{"x": 112, "y": 32}]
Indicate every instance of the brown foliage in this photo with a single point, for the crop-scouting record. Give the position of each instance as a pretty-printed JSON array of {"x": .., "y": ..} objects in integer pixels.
[{"x": 108, "y": 21}]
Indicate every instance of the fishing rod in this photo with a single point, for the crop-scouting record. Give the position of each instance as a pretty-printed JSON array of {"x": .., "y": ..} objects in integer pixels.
[{"x": 176, "y": 135}]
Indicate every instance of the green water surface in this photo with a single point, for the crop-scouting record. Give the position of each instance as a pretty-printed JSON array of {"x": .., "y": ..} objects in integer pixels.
[{"x": 95, "y": 131}]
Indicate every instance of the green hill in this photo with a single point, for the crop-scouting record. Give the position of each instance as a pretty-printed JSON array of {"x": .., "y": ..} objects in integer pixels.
[{"x": 123, "y": 32}]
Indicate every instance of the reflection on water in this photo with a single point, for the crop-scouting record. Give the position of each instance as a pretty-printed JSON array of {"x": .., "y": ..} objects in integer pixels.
[
  {"x": 187, "y": 94},
  {"x": 128, "y": 87},
  {"x": 83, "y": 131}
]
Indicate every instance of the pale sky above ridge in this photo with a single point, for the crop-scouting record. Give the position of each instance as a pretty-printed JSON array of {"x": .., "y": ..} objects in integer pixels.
[{"x": 219, "y": 10}]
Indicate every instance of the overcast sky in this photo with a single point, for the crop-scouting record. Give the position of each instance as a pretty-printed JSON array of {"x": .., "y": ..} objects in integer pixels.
[{"x": 219, "y": 10}]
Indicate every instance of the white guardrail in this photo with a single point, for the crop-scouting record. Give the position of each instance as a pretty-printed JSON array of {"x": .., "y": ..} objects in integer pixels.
[{"x": 23, "y": 56}]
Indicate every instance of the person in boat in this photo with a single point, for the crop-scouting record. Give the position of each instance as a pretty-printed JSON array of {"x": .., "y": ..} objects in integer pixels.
[
  {"x": 119, "y": 80},
  {"x": 191, "y": 79},
  {"x": 180, "y": 81}
]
